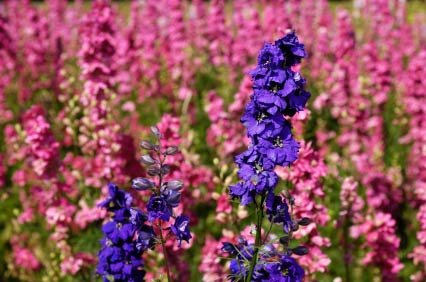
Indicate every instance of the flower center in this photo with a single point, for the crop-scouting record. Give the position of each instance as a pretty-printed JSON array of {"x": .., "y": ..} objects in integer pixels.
[
  {"x": 258, "y": 167},
  {"x": 260, "y": 117},
  {"x": 278, "y": 142}
]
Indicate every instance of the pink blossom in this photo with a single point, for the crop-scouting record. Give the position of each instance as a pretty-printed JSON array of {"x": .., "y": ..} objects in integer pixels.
[
  {"x": 383, "y": 244},
  {"x": 25, "y": 258},
  {"x": 43, "y": 149},
  {"x": 306, "y": 175}
]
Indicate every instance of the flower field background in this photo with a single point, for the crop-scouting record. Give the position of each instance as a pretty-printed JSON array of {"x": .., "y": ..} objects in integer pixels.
[{"x": 81, "y": 84}]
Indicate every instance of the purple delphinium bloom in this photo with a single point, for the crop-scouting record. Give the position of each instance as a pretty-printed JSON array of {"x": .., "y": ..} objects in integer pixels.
[
  {"x": 272, "y": 265},
  {"x": 145, "y": 238},
  {"x": 293, "y": 50},
  {"x": 292, "y": 269},
  {"x": 242, "y": 190},
  {"x": 270, "y": 61},
  {"x": 286, "y": 269},
  {"x": 181, "y": 229},
  {"x": 117, "y": 199},
  {"x": 261, "y": 123},
  {"x": 158, "y": 208},
  {"x": 282, "y": 149},
  {"x": 278, "y": 92},
  {"x": 277, "y": 211},
  {"x": 296, "y": 102},
  {"x": 269, "y": 101},
  {"x": 256, "y": 170},
  {"x": 119, "y": 257},
  {"x": 130, "y": 232},
  {"x": 117, "y": 231}
]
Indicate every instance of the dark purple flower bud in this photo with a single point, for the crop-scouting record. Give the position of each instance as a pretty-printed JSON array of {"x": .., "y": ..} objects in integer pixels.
[
  {"x": 229, "y": 248},
  {"x": 155, "y": 131},
  {"x": 171, "y": 150},
  {"x": 284, "y": 240},
  {"x": 145, "y": 238},
  {"x": 165, "y": 169},
  {"x": 147, "y": 145},
  {"x": 295, "y": 226},
  {"x": 142, "y": 184},
  {"x": 174, "y": 184},
  {"x": 300, "y": 250},
  {"x": 153, "y": 170},
  {"x": 304, "y": 221},
  {"x": 147, "y": 160},
  {"x": 172, "y": 197}
]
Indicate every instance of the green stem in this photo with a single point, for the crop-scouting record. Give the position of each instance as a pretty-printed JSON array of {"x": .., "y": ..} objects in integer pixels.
[
  {"x": 258, "y": 240},
  {"x": 166, "y": 258}
]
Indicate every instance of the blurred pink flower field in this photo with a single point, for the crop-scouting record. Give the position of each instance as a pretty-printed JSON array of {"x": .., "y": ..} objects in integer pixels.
[{"x": 82, "y": 83}]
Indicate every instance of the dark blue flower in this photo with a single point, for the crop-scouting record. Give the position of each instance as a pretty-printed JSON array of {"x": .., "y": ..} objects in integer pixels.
[
  {"x": 242, "y": 253},
  {"x": 158, "y": 208},
  {"x": 261, "y": 123},
  {"x": 137, "y": 217},
  {"x": 277, "y": 211},
  {"x": 145, "y": 238},
  {"x": 270, "y": 57},
  {"x": 270, "y": 102},
  {"x": 278, "y": 92},
  {"x": 293, "y": 50},
  {"x": 123, "y": 263},
  {"x": 238, "y": 270},
  {"x": 282, "y": 149},
  {"x": 116, "y": 231},
  {"x": 119, "y": 258},
  {"x": 270, "y": 60},
  {"x": 181, "y": 229},
  {"x": 256, "y": 170},
  {"x": 242, "y": 191},
  {"x": 117, "y": 199},
  {"x": 296, "y": 102},
  {"x": 293, "y": 271}
]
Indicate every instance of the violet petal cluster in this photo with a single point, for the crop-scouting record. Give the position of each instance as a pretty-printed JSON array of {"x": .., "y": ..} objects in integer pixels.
[
  {"x": 278, "y": 93},
  {"x": 166, "y": 195},
  {"x": 120, "y": 256},
  {"x": 131, "y": 232},
  {"x": 274, "y": 266}
]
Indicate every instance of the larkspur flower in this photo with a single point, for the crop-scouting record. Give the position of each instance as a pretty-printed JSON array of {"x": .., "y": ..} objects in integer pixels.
[
  {"x": 278, "y": 211},
  {"x": 117, "y": 199},
  {"x": 181, "y": 229},
  {"x": 293, "y": 50},
  {"x": 282, "y": 149},
  {"x": 278, "y": 92},
  {"x": 120, "y": 258},
  {"x": 261, "y": 123},
  {"x": 158, "y": 208},
  {"x": 256, "y": 170},
  {"x": 131, "y": 232}
]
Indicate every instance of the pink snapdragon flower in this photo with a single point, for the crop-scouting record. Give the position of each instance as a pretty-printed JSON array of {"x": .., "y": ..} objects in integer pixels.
[
  {"x": 43, "y": 149},
  {"x": 25, "y": 258}
]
